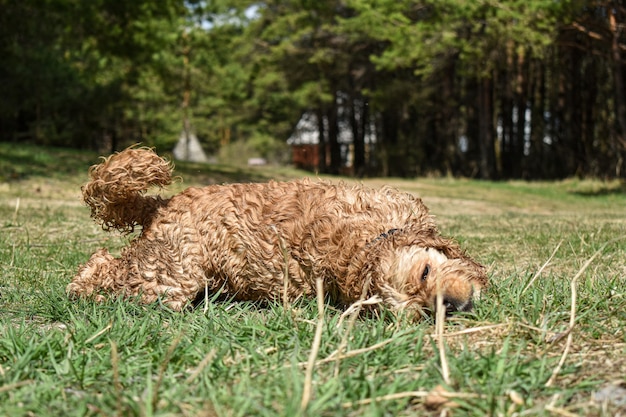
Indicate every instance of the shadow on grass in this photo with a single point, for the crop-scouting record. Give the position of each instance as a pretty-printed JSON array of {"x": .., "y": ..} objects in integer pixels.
[
  {"x": 598, "y": 189},
  {"x": 218, "y": 174},
  {"x": 20, "y": 162}
]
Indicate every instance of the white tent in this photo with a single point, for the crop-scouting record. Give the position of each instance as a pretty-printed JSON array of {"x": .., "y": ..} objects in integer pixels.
[{"x": 189, "y": 149}]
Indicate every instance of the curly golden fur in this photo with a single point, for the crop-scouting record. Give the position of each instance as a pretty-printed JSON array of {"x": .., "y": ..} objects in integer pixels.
[{"x": 241, "y": 240}]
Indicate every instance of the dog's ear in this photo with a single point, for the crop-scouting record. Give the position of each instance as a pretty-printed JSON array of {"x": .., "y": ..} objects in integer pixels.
[{"x": 430, "y": 238}]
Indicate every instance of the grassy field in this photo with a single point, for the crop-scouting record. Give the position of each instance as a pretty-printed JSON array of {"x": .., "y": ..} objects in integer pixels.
[{"x": 548, "y": 337}]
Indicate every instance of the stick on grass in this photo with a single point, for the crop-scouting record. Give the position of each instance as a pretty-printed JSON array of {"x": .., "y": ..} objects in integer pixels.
[
  {"x": 409, "y": 394},
  {"x": 203, "y": 363},
  {"x": 354, "y": 310},
  {"x": 163, "y": 368},
  {"x": 534, "y": 278},
  {"x": 100, "y": 333},
  {"x": 308, "y": 378},
  {"x": 440, "y": 321},
  {"x": 116, "y": 378},
  {"x": 10, "y": 387},
  {"x": 572, "y": 319},
  {"x": 17, "y": 209},
  {"x": 355, "y": 352}
]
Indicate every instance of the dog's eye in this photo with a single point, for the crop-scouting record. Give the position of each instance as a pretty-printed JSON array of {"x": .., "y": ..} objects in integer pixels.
[{"x": 425, "y": 272}]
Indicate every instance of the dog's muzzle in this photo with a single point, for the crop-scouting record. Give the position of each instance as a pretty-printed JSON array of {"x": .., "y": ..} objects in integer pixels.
[{"x": 454, "y": 305}]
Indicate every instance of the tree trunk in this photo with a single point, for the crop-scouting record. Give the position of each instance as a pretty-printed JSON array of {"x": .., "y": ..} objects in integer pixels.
[
  {"x": 447, "y": 123},
  {"x": 574, "y": 122},
  {"x": 535, "y": 158},
  {"x": 521, "y": 103},
  {"x": 333, "y": 138},
  {"x": 322, "y": 141},
  {"x": 186, "y": 96},
  {"x": 587, "y": 122},
  {"x": 358, "y": 122},
  {"x": 485, "y": 129},
  {"x": 388, "y": 140},
  {"x": 618, "y": 78},
  {"x": 507, "y": 120}
]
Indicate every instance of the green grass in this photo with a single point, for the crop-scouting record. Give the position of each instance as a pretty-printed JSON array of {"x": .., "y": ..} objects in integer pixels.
[{"x": 59, "y": 357}]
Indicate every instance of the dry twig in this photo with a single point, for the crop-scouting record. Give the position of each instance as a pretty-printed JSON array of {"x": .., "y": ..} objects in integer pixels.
[
  {"x": 166, "y": 361},
  {"x": 116, "y": 378},
  {"x": 542, "y": 268},
  {"x": 203, "y": 363},
  {"x": 560, "y": 411},
  {"x": 355, "y": 352},
  {"x": 17, "y": 209},
  {"x": 355, "y": 308},
  {"x": 572, "y": 319},
  {"x": 407, "y": 394},
  {"x": 206, "y": 297},
  {"x": 353, "y": 311},
  {"x": 440, "y": 321},
  {"x": 10, "y": 387},
  {"x": 436, "y": 335},
  {"x": 308, "y": 377},
  {"x": 100, "y": 333}
]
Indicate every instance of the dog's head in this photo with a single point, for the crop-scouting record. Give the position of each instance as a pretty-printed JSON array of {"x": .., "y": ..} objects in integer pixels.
[{"x": 414, "y": 275}]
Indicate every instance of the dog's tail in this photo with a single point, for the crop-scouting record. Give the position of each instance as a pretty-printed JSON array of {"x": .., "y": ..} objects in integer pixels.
[{"x": 116, "y": 190}]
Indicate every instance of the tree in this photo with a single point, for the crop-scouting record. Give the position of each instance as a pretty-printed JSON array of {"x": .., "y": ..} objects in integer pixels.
[
  {"x": 72, "y": 65},
  {"x": 493, "y": 89},
  {"x": 441, "y": 40}
]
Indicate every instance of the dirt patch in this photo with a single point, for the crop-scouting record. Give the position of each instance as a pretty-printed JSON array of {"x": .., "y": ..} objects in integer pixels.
[{"x": 454, "y": 206}]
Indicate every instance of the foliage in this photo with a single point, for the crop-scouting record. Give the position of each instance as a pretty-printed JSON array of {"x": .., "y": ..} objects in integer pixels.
[{"x": 491, "y": 89}]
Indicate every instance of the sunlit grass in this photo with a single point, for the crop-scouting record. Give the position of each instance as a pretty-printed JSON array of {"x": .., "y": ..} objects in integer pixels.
[{"x": 60, "y": 357}]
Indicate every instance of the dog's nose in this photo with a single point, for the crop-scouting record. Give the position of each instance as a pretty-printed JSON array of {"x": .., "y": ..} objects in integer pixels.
[
  {"x": 449, "y": 305},
  {"x": 452, "y": 305}
]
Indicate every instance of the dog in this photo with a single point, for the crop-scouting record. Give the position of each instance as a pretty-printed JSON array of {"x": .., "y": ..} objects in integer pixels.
[{"x": 269, "y": 241}]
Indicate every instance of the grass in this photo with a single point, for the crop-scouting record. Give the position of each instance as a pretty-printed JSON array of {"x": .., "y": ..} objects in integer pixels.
[{"x": 59, "y": 357}]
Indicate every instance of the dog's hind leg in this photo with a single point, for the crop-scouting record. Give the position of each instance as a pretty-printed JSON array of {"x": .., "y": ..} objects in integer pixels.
[
  {"x": 145, "y": 274},
  {"x": 162, "y": 268}
]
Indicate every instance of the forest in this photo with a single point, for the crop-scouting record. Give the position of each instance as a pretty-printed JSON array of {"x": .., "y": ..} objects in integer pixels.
[{"x": 490, "y": 89}]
